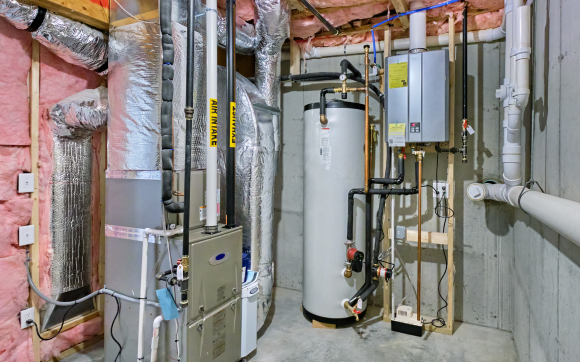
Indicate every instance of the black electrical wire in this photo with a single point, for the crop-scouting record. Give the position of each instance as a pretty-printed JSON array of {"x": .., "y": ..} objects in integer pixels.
[
  {"x": 60, "y": 329},
  {"x": 112, "y": 324}
]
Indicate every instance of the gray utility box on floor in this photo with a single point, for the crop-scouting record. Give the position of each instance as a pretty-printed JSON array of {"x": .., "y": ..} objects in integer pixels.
[
  {"x": 417, "y": 96},
  {"x": 215, "y": 286}
]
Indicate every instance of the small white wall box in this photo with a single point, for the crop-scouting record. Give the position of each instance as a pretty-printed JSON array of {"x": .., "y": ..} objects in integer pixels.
[
  {"x": 406, "y": 322},
  {"x": 25, "y": 183},
  {"x": 26, "y": 235}
]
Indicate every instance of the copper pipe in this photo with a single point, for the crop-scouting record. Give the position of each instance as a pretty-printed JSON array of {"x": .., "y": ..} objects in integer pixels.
[
  {"x": 367, "y": 156},
  {"x": 420, "y": 160}
]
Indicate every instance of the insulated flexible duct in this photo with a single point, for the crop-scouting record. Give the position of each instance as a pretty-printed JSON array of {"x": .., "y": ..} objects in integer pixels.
[{"x": 72, "y": 41}]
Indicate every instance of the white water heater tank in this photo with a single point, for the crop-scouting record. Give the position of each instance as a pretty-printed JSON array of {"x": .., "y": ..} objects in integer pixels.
[{"x": 333, "y": 165}]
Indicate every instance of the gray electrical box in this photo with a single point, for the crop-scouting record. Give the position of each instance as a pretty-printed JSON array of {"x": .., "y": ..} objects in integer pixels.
[{"x": 417, "y": 98}]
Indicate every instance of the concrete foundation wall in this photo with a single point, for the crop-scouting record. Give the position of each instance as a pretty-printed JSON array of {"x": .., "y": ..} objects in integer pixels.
[
  {"x": 546, "y": 265},
  {"x": 483, "y": 242}
]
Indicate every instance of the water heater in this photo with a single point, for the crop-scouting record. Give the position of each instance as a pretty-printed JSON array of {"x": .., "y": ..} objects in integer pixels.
[{"x": 333, "y": 165}]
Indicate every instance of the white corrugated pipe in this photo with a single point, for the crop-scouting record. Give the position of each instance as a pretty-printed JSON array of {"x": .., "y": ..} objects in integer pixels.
[
  {"x": 155, "y": 339},
  {"x": 211, "y": 114},
  {"x": 479, "y": 36}
]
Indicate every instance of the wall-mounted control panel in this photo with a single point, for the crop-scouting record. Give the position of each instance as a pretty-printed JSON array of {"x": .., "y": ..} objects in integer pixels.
[{"x": 417, "y": 98}]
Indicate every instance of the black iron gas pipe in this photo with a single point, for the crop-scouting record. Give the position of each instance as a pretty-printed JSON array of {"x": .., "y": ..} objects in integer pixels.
[
  {"x": 231, "y": 90},
  {"x": 188, "y": 130}
]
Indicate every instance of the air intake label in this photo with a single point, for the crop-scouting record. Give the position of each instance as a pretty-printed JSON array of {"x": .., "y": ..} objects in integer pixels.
[
  {"x": 233, "y": 124},
  {"x": 398, "y": 75},
  {"x": 213, "y": 119}
]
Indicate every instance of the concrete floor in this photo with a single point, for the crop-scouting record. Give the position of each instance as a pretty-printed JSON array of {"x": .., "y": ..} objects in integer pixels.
[{"x": 289, "y": 337}]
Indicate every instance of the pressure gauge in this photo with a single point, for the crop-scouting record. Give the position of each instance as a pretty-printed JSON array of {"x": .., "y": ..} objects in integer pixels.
[{"x": 342, "y": 77}]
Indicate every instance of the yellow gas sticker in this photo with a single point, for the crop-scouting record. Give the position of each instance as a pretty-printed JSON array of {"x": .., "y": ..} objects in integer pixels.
[
  {"x": 396, "y": 136},
  {"x": 397, "y": 129},
  {"x": 233, "y": 124},
  {"x": 398, "y": 75},
  {"x": 213, "y": 120}
]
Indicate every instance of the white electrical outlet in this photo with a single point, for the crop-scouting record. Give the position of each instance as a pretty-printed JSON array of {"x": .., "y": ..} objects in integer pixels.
[
  {"x": 441, "y": 187},
  {"x": 25, "y": 315},
  {"x": 26, "y": 235},
  {"x": 25, "y": 183}
]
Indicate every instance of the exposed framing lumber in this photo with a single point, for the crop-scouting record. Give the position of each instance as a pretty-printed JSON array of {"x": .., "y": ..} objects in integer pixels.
[
  {"x": 85, "y": 11},
  {"x": 451, "y": 179},
  {"x": 294, "y": 58},
  {"x": 440, "y": 238},
  {"x": 401, "y": 7},
  {"x": 102, "y": 183},
  {"x": 301, "y": 14},
  {"x": 34, "y": 99},
  {"x": 354, "y": 30},
  {"x": 77, "y": 348},
  {"x": 145, "y": 16},
  {"x": 71, "y": 323},
  {"x": 427, "y": 237},
  {"x": 295, "y": 4}
]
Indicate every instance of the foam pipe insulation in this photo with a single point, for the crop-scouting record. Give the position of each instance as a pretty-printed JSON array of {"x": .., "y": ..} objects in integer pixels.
[
  {"x": 72, "y": 41},
  {"x": 73, "y": 121}
]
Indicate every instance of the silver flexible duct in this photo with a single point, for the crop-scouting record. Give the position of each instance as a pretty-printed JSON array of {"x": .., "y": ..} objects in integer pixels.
[
  {"x": 73, "y": 121},
  {"x": 72, "y": 41}
]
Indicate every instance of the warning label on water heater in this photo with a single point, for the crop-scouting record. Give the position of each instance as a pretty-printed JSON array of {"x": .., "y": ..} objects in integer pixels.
[
  {"x": 398, "y": 75},
  {"x": 325, "y": 152},
  {"x": 396, "y": 135}
]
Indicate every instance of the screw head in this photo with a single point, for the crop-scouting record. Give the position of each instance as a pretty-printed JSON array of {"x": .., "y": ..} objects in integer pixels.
[{"x": 201, "y": 308}]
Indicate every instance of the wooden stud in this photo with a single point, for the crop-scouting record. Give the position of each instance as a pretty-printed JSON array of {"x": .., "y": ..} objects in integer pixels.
[
  {"x": 451, "y": 178},
  {"x": 301, "y": 14},
  {"x": 85, "y": 11},
  {"x": 71, "y": 323},
  {"x": 427, "y": 237},
  {"x": 34, "y": 249},
  {"x": 294, "y": 58},
  {"x": 401, "y": 7},
  {"x": 102, "y": 194},
  {"x": 319, "y": 325}
]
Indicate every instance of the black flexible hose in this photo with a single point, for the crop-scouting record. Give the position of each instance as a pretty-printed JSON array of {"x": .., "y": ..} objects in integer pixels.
[{"x": 345, "y": 66}]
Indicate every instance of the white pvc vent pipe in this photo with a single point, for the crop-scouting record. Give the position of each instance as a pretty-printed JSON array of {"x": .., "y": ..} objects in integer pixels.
[
  {"x": 479, "y": 36},
  {"x": 418, "y": 28},
  {"x": 211, "y": 113}
]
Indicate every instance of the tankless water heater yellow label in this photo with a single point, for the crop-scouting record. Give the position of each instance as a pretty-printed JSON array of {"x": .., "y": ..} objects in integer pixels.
[
  {"x": 213, "y": 117},
  {"x": 233, "y": 124},
  {"x": 398, "y": 75}
]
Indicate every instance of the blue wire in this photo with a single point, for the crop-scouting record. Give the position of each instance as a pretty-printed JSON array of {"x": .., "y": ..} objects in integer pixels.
[
  {"x": 404, "y": 14},
  {"x": 374, "y": 49}
]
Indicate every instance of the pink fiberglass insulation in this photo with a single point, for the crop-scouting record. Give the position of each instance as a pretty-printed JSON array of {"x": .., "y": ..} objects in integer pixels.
[
  {"x": 306, "y": 27},
  {"x": 244, "y": 8},
  {"x": 58, "y": 80},
  {"x": 14, "y": 65}
]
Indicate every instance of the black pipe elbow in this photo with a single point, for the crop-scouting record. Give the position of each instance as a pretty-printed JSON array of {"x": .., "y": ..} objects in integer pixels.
[
  {"x": 365, "y": 293},
  {"x": 323, "y": 92},
  {"x": 350, "y": 219},
  {"x": 345, "y": 65}
]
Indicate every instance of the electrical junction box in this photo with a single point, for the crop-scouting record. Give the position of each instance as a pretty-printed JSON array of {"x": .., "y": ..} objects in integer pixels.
[
  {"x": 25, "y": 183},
  {"x": 417, "y": 98},
  {"x": 26, "y": 235}
]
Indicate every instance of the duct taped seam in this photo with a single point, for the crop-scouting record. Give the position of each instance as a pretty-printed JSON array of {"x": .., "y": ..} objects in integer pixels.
[
  {"x": 72, "y": 41},
  {"x": 134, "y": 129},
  {"x": 74, "y": 120}
]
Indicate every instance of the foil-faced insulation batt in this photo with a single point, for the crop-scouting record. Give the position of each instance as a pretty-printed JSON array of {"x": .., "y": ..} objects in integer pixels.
[
  {"x": 72, "y": 41},
  {"x": 134, "y": 129},
  {"x": 73, "y": 121}
]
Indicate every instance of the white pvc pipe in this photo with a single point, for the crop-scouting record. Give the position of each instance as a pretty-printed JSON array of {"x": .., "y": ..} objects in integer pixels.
[
  {"x": 418, "y": 27},
  {"x": 393, "y": 241},
  {"x": 155, "y": 339},
  {"x": 142, "y": 296},
  {"x": 479, "y": 36},
  {"x": 211, "y": 174}
]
